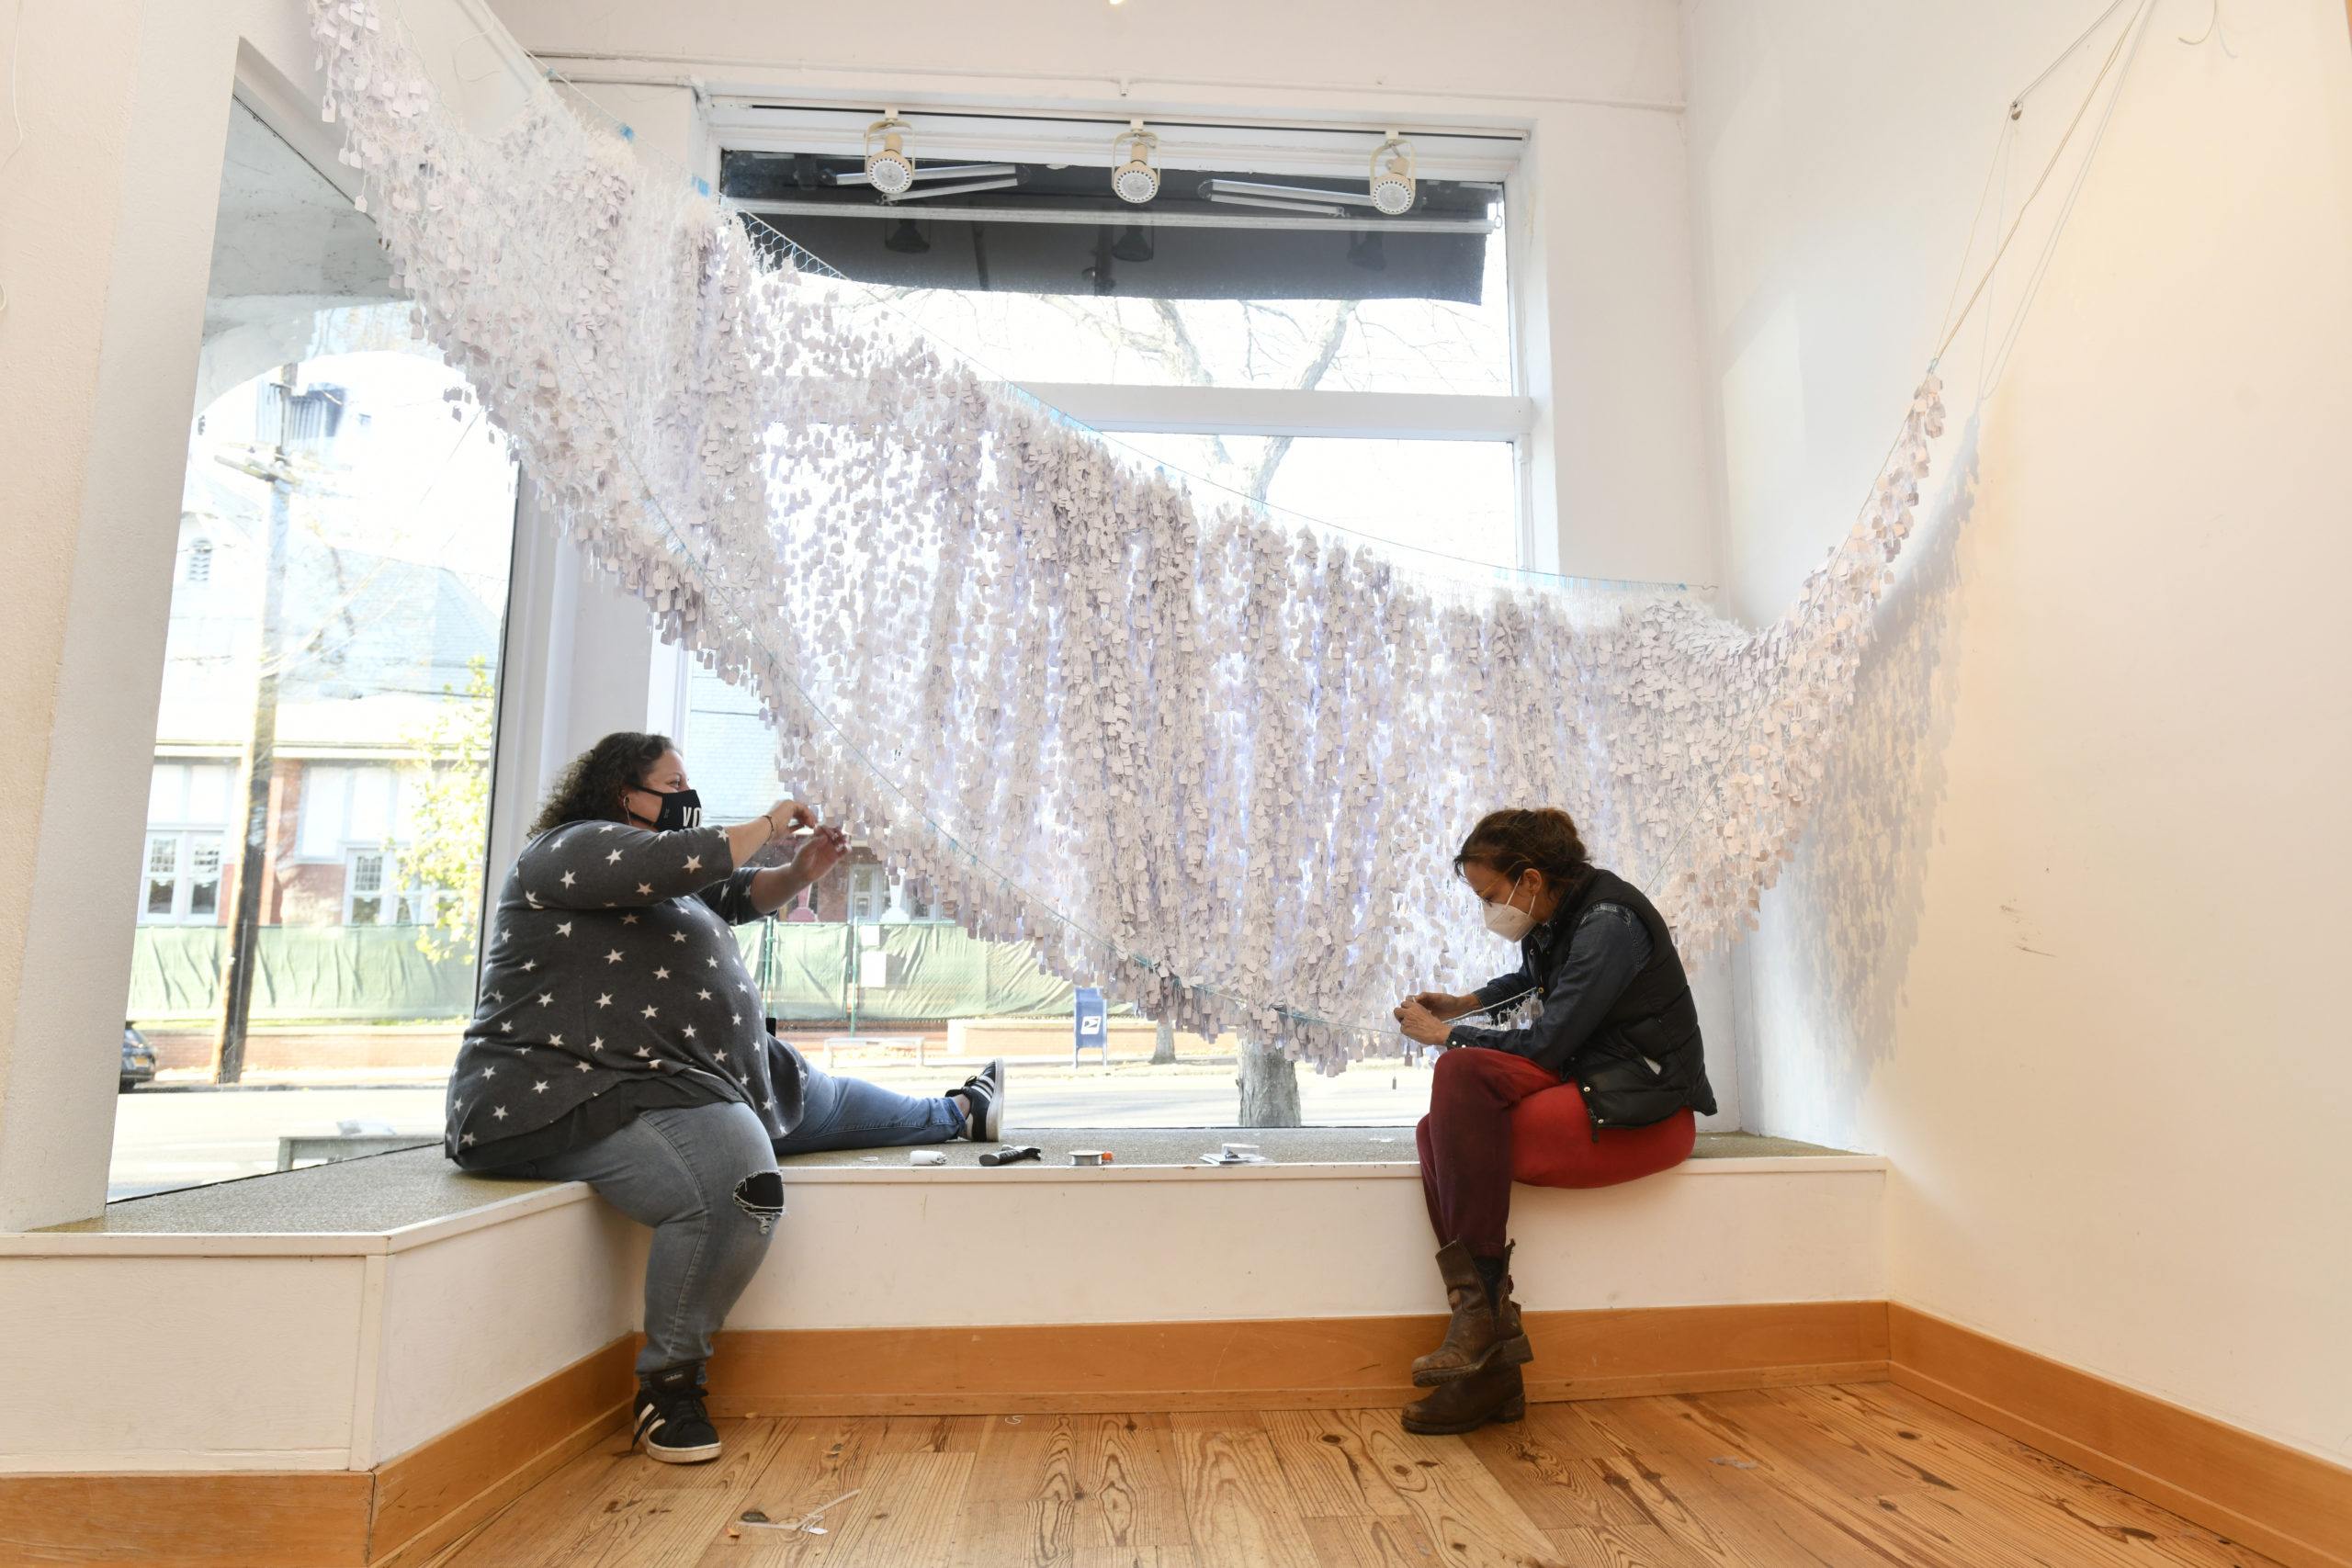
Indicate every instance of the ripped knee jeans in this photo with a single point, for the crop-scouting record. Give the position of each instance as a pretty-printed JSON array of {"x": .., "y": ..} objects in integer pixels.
[{"x": 703, "y": 1177}]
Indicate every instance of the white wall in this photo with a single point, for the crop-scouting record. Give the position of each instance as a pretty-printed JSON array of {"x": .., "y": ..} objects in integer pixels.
[{"x": 2066, "y": 940}]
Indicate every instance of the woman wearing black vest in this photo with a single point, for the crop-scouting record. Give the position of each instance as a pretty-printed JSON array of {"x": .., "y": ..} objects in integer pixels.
[{"x": 1613, "y": 1016}]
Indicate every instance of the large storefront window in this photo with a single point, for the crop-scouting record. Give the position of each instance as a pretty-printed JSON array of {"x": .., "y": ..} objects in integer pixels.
[
  {"x": 318, "y": 815},
  {"x": 869, "y": 980}
]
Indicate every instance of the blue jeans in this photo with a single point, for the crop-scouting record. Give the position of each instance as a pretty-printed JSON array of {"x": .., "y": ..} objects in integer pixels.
[
  {"x": 703, "y": 1177},
  {"x": 850, "y": 1113}
]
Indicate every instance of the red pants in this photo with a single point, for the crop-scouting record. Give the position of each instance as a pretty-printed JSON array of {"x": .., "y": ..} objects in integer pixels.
[{"x": 1495, "y": 1118}]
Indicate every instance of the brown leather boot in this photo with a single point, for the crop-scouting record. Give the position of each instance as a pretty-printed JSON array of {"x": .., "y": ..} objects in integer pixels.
[
  {"x": 1480, "y": 1334},
  {"x": 1497, "y": 1393}
]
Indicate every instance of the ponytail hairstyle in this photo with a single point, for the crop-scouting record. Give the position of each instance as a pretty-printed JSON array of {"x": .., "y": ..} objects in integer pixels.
[
  {"x": 1514, "y": 841},
  {"x": 589, "y": 789}
]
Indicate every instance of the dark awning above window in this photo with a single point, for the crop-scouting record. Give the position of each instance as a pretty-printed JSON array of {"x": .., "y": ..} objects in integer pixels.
[{"x": 1061, "y": 231}]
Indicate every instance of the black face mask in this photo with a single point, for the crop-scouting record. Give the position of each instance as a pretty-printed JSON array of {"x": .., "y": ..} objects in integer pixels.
[{"x": 680, "y": 809}]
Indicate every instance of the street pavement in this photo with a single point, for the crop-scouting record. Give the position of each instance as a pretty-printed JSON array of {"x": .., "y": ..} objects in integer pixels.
[{"x": 186, "y": 1137}]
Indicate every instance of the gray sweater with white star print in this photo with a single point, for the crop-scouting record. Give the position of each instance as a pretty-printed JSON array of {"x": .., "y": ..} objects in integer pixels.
[{"x": 613, "y": 982}]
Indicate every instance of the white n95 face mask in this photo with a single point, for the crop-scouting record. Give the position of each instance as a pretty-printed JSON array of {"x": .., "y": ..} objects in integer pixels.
[{"x": 1507, "y": 923}]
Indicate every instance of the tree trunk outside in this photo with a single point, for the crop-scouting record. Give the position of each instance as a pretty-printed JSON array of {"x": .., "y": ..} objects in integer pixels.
[
  {"x": 1163, "y": 1043},
  {"x": 1269, "y": 1083}
]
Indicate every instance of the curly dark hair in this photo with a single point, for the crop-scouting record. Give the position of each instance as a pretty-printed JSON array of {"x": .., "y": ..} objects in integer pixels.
[
  {"x": 1515, "y": 841},
  {"x": 589, "y": 790}
]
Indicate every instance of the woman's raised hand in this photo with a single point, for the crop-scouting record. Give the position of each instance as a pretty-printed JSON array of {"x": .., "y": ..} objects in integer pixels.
[
  {"x": 820, "y": 853},
  {"x": 787, "y": 815}
]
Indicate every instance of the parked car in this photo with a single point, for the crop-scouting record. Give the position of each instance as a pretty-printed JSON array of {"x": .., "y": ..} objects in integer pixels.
[{"x": 138, "y": 1058}]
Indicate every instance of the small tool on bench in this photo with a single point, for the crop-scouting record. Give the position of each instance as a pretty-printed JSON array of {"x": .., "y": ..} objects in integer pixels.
[{"x": 1014, "y": 1152}]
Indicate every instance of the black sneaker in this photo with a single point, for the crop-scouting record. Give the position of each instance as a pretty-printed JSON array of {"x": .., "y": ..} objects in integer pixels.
[
  {"x": 671, "y": 1421},
  {"x": 985, "y": 1091}
]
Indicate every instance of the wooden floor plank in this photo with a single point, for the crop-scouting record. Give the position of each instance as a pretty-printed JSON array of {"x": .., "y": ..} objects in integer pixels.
[
  {"x": 520, "y": 1534},
  {"x": 1329, "y": 1467},
  {"x": 905, "y": 1514},
  {"x": 677, "y": 1520},
  {"x": 1217, "y": 1421},
  {"x": 811, "y": 1463},
  {"x": 1757, "y": 1500},
  {"x": 1458, "y": 1502},
  {"x": 1573, "y": 1429},
  {"x": 1692, "y": 1508},
  {"x": 1675, "y": 1493},
  {"x": 1364, "y": 1541},
  {"x": 1636, "y": 1546},
  {"x": 630, "y": 1515},
  {"x": 1162, "y": 1556},
  {"x": 1670, "y": 1423},
  {"x": 1131, "y": 1490},
  {"x": 1899, "y": 1514},
  {"x": 932, "y": 1434},
  {"x": 1952, "y": 1518},
  {"x": 2030, "y": 1493},
  {"x": 1869, "y": 1477},
  {"x": 1242, "y": 1510},
  {"x": 1555, "y": 1486}
]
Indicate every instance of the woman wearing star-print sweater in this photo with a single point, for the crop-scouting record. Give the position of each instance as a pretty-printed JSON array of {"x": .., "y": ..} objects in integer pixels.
[{"x": 618, "y": 1040}]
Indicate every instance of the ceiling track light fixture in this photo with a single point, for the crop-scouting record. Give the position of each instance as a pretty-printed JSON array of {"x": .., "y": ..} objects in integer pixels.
[
  {"x": 934, "y": 172},
  {"x": 1282, "y": 199},
  {"x": 1392, "y": 186},
  {"x": 890, "y": 168},
  {"x": 950, "y": 190},
  {"x": 1134, "y": 180}
]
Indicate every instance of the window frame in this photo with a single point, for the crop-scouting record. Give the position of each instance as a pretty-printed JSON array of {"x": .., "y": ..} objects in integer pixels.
[
  {"x": 947, "y": 133},
  {"x": 187, "y": 843}
]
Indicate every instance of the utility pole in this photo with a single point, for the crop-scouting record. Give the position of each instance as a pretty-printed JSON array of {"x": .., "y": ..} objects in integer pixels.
[{"x": 261, "y": 759}]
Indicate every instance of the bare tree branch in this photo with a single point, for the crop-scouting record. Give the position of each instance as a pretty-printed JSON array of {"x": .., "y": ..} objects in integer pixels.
[{"x": 1343, "y": 313}]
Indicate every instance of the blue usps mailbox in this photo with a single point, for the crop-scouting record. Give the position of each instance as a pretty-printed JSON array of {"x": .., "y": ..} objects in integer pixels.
[{"x": 1092, "y": 1027}]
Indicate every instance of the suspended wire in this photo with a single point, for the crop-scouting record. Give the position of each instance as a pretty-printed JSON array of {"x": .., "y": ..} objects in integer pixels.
[
  {"x": 2047, "y": 169},
  {"x": 2017, "y": 104}
]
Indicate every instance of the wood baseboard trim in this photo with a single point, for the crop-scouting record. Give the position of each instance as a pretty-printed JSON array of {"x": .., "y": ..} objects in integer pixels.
[
  {"x": 1277, "y": 1364},
  {"x": 397, "y": 1515},
  {"x": 292, "y": 1519},
  {"x": 476, "y": 1511},
  {"x": 435, "y": 1492},
  {"x": 2281, "y": 1501}
]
